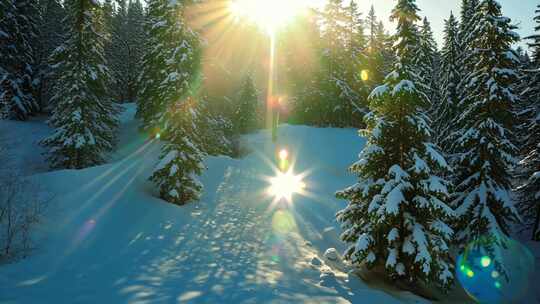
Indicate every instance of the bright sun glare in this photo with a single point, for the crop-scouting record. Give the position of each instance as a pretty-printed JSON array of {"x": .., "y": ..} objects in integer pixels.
[
  {"x": 268, "y": 14},
  {"x": 284, "y": 185}
]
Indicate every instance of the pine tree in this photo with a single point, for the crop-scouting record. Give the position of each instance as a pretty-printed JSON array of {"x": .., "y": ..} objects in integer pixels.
[
  {"x": 528, "y": 170},
  {"x": 335, "y": 90},
  {"x": 125, "y": 50},
  {"x": 18, "y": 33},
  {"x": 426, "y": 59},
  {"x": 450, "y": 75},
  {"x": 484, "y": 141},
  {"x": 355, "y": 109},
  {"x": 397, "y": 217},
  {"x": 52, "y": 35},
  {"x": 214, "y": 131},
  {"x": 167, "y": 36},
  {"x": 84, "y": 117},
  {"x": 535, "y": 39},
  {"x": 376, "y": 50},
  {"x": 170, "y": 77},
  {"x": 136, "y": 39},
  {"x": 181, "y": 161},
  {"x": 246, "y": 118},
  {"x": 467, "y": 35}
]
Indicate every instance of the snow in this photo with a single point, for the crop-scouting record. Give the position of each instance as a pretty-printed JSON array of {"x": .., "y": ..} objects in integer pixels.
[
  {"x": 106, "y": 238},
  {"x": 331, "y": 254},
  {"x": 20, "y": 139}
]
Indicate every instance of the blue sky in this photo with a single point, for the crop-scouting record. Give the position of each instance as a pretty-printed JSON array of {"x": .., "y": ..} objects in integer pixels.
[{"x": 521, "y": 12}]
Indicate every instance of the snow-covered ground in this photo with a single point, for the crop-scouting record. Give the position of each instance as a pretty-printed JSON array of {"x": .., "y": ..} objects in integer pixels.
[{"x": 106, "y": 238}]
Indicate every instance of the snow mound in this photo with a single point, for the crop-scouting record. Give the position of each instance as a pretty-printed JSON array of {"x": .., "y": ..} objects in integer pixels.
[
  {"x": 106, "y": 238},
  {"x": 331, "y": 254}
]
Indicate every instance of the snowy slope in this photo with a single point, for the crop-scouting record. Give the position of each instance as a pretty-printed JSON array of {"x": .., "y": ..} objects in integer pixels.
[
  {"x": 20, "y": 140},
  {"x": 107, "y": 239}
]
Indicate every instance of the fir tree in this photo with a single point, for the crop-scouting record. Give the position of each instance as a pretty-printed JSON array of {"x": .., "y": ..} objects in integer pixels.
[
  {"x": 450, "y": 75},
  {"x": 84, "y": 117},
  {"x": 426, "y": 59},
  {"x": 214, "y": 131},
  {"x": 467, "y": 35},
  {"x": 246, "y": 118},
  {"x": 535, "y": 39},
  {"x": 170, "y": 78},
  {"x": 397, "y": 217},
  {"x": 528, "y": 170},
  {"x": 167, "y": 36},
  {"x": 376, "y": 68},
  {"x": 181, "y": 161},
  {"x": 18, "y": 33},
  {"x": 52, "y": 35},
  {"x": 484, "y": 141},
  {"x": 125, "y": 50}
]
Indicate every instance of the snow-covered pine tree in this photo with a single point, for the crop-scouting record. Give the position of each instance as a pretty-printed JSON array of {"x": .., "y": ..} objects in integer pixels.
[
  {"x": 397, "y": 216},
  {"x": 426, "y": 59},
  {"x": 535, "y": 43},
  {"x": 375, "y": 55},
  {"x": 528, "y": 171},
  {"x": 52, "y": 35},
  {"x": 356, "y": 107},
  {"x": 338, "y": 98},
  {"x": 84, "y": 117},
  {"x": 18, "y": 33},
  {"x": 450, "y": 76},
  {"x": 171, "y": 74},
  {"x": 484, "y": 141},
  {"x": 125, "y": 50},
  {"x": 467, "y": 35},
  {"x": 136, "y": 39},
  {"x": 246, "y": 117},
  {"x": 172, "y": 58},
  {"x": 176, "y": 174},
  {"x": 388, "y": 55},
  {"x": 212, "y": 130}
]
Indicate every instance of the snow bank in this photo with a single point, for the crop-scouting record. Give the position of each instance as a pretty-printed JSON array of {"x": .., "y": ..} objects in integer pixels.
[{"x": 108, "y": 239}]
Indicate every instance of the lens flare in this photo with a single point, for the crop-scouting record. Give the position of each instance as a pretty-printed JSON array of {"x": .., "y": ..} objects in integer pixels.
[
  {"x": 285, "y": 184},
  {"x": 283, "y": 154},
  {"x": 364, "y": 75},
  {"x": 268, "y": 14},
  {"x": 495, "y": 271},
  {"x": 485, "y": 261}
]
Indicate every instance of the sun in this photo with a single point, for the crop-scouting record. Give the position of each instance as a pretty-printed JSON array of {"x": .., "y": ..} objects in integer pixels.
[{"x": 268, "y": 14}]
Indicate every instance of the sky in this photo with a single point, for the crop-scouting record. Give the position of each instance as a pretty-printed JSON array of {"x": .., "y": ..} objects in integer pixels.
[{"x": 520, "y": 11}]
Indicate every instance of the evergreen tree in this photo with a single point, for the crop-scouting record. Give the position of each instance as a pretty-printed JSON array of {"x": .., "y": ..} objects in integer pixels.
[
  {"x": 528, "y": 176},
  {"x": 214, "y": 131},
  {"x": 376, "y": 66},
  {"x": 484, "y": 141},
  {"x": 170, "y": 77},
  {"x": 136, "y": 39},
  {"x": 450, "y": 75},
  {"x": 181, "y": 161},
  {"x": 18, "y": 33},
  {"x": 357, "y": 62},
  {"x": 426, "y": 59},
  {"x": 52, "y": 35},
  {"x": 467, "y": 35},
  {"x": 397, "y": 217},
  {"x": 125, "y": 50},
  {"x": 246, "y": 118},
  {"x": 535, "y": 39},
  {"x": 84, "y": 117}
]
